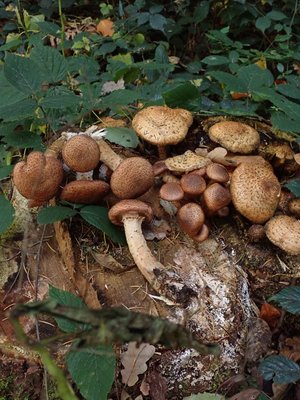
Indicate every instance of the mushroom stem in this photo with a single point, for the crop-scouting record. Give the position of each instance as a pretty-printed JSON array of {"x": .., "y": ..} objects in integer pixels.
[
  {"x": 55, "y": 148},
  {"x": 162, "y": 153},
  {"x": 140, "y": 251},
  {"x": 108, "y": 156}
]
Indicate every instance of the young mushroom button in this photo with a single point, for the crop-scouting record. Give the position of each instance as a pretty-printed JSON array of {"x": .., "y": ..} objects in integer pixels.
[
  {"x": 84, "y": 191},
  {"x": 81, "y": 153}
]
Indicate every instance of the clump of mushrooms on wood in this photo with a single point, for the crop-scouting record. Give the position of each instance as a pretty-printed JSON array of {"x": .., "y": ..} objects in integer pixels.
[{"x": 196, "y": 185}]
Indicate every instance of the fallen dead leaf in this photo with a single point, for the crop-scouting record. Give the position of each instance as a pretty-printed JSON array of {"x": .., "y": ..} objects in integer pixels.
[
  {"x": 105, "y": 27},
  {"x": 145, "y": 387},
  {"x": 247, "y": 394},
  {"x": 158, "y": 229},
  {"x": 258, "y": 340},
  {"x": 291, "y": 348},
  {"x": 158, "y": 385},
  {"x": 270, "y": 314},
  {"x": 125, "y": 395},
  {"x": 134, "y": 361}
]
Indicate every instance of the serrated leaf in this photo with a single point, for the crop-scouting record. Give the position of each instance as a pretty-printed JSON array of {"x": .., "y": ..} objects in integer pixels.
[
  {"x": 98, "y": 217},
  {"x": 205, "y": 396},
  {"x": 255, "y": 78},
  {"x": 291, "y": 108},
  {"x": 9, "y": 94},
  {"x": 289, "y": 299},
  {"x": 23, "y": 73},
  {"x": 52, "y": 214},
  {"x": 93, "y": 371},
  {"x": 181, "y": 95},
  {"x": 63, "y": 100},
  {"x": 49, "y": 28},
  {"x": 125, "y": 137},
  {"x": 24, "y": 140},
  {"x": 281, "y": 369},
  {"x": 68, "y": 299},
  {"x": 294, "y": 186},
  {"x": 18, "y": 111},
  {"x": 7, "y": 214},
  {"x": 5, "y": 171},
  {"x": 215, "y": 60},
  {"x": 51, "y": 61},
  {"x": 120, "y": 98},
  {"x": 157, "y": 22}
]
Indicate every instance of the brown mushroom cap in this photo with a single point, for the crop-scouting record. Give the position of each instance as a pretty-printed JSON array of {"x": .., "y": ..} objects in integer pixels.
[
  {"x": 294, "y": 206},
  {"x": 255, "y": 191},
  {"x": 193, "y": 184},
  {"x": 202, "y": 234},
  {"x": 81, "y": 153},
  {"x": 130, "y": 208},
  {"x": 84, "y": 192},
  {"x": 133, "y": 177},
  {"x": 191, "y": 218},
  {"x": 256, "y": 233},
  {"x": 171, "y": 191},
  {"x": 186, "y": 162},
  {"x": 216, "y": 197},
  {"x": 235, "y": 136},
  {"x": 284, "y": 232},
  {"x": 39, "y": 177},
  {"x": 161, "y": 125},
  {"x": 217, "y": 173}
]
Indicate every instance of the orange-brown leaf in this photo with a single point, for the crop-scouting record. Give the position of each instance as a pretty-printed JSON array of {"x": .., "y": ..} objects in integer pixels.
[
  {"x": 270, "y": 314},
  {"x": 105, "y": 27}
]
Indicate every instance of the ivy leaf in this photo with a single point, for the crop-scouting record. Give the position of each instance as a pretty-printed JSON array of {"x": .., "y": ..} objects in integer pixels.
[
  {"x": 125, "y": 137},
  {"x": 281, "y": 369},
  {"x": 7, "y": 214},
  {"x": 67, "y": 299},
  {"x": 98, "y": 217},
  {"x": 51, "y": 61},
  {"x": 93, "y": 370},
  {"x": 23, "y": 73},
  {"x": 289, "y": 299},
  {"x": 56, "y": 213}
]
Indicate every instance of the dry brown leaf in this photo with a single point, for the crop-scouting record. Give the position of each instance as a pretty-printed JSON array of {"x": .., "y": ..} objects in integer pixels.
[
  {"x": 134, "y": 361},
  {"x": 106, "y": 27},
  {"x": 297, "y": 158},
  {"x": 270, "y": 314},
  {"x": 158, "y": 229},
  {"x": 259, "y": 339},
  {"x": 145, "y": 387},
  {"x": 158, "y": 385},
  {"x": 108, "y": 262},
  {"x": 125, "y": 395},
  {"x": 291, "y": 348},
  {"x": 247, "y": 394}
]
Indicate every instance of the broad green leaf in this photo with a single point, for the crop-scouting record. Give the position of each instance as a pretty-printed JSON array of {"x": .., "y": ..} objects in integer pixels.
[
  {"x": 215, "y": 60},
  {"x": 232, "y": 82},
  {"x": 49, "y": 28},
  {"x": 93, "y": 370},
  {"x": 24, "y": 140},
  {"x": 56, "y": 213},
  {"x": 98, "y": 217},
  {"x": 7, "y": 214},
  {"x": 205, "y": 396},
  {"x": 119, "y": 98},
  {"x": 181, "y": 95},
  {"x": 281, "y": 369},
  {"x": 289, "y": 299},
  {"x": 9, "y": 94},
  {"x": 18, "y": 111},
  {"x": 289, "y": 90},
  {"x": 284, "y": 122},
  {"x": 106, "y": 48},
  {"x": 255, "y": 78},
  {"x": 51, "y": 61},
  {"x": 157, "y": 22},
  {"x": 263, "y": 23},
  {"x": 201, "y": 11},
  {"x": 289, "y": 107},
  {"x": 67, "y": 299},
  {"x": 23, "y": 73},
  {"x": 12, "y": 44},
  {"x": 5, "y": 171},
  {"x": 125, "y": 137},
  {"x": 294, "y": 186},
  {"x": 276, "y": 15},
  {"x": 63, "y": 100}
]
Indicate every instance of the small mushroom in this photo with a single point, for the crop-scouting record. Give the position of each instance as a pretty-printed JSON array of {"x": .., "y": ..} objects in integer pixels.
[
  {"x": 294, "y": 207},
  {"x": 38, "y": 178},
  {"x": 255, "y": 191},
  {"x": 171, "y": 191},
  {"x": 186, "y": 162},
  {"x": 84, "y": 191},
  {"x": 256, "y": 233},
  {"x": 202, "y": 234},
  {"x": 193, "y": 184},
  {"x": 81, "y": 153},
  {"x": 217, "y": 173},
  {"x": 132, "y": 178},
  {"x": 191, "y": 218},
  {"x": 162, "y": 126},
  {"x": 284, "y": 232},
  {"x": 235, "y": 136},
  {"x": 215, "y": 197}
]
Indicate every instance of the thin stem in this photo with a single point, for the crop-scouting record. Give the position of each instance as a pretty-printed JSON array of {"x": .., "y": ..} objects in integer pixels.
[{"x": 62, "y": 23}]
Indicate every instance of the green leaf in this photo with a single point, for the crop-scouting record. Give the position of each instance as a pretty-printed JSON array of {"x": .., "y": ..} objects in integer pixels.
[
  {"x": 56, "y": 213},
  {"x": 232, "y": 82},
  {"x": 62, "y": 100},
  {"x": 9, "y": 94},
  {"x": 201, "y": 11},
  {"x": 181, "y": 95},
  {"x": 294, "y": 186},
  {"x": 289, "y": 90},
  {"x": 68, "y": 299},
  {"x": 205, "y": 396},
  {"x": 23, "y": 73},
  {"x": 119, "y": 98},
  {"x": 281, "y": 369},
  {"x": 24, "y": 140},
  {"x": 51, "y": 61},
  {"x": 18, "y": 111},
  {"x": 215, "y": 60},
  {"x": 255, "y": 78},
  {"x": 289, "y": 299},
  {"x": 289, "y": 107},
  {"x": 7, "y": 214},
  {"x": 93, "y": 371},
  {"x": 98, "y": 217},
  {"x": 285, "y": 123},
  {"x": 263, "y": 23},
  {"x": 5, "y": 171},
  {"x": 157, "y": 22},
  {"x": 276, "y": 15},
  {"x": 49, "y": 28},
  {"x": 125, "y": 137},
  {"x": 12, "y": 44}
]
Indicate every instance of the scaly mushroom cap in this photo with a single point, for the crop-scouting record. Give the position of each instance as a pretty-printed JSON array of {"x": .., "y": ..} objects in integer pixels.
[
  {"x": 235, "y": 136},
  {"x": 284, "y": 232},
  {"x": 202, "y": 234},
  {"x": 130, "y": 208},
  {"x": 84, "y": 192},
  {"x": 255, "y": 191},
  {"x": 171, "y": 191},
  {"x": 294, "y": 207},
  {"x": 133, "y": 177},
  {"x": 161, "y": 125},
  {"x": 81, "y": 153},
  {"x": 39, "y": 177},
  {"x": 193, "y": 184},
  {"x": 191, "y": 218},
  {"x": 216, "y": 197},
  {"x": 217, "y": 173},
  {"x": 186, "y": 162}
]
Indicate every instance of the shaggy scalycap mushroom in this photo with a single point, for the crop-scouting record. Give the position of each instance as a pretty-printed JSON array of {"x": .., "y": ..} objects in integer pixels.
[
  {"x": 217, "y": 173},
  {"x": 81, "y": 153},
  {"x": 193, "y": 184},
  {"x": 186, "y": 162},
  {"x": 39, "y": 177},
  {"x": 84, "y": 192},
  {"x": 284, "y": 232},
  {"x": 235, "y": 136},
  {"x": 191, "y": 218},
  {"x": 215, "y": 197},
  {"x": 132, "y": 178},
  {"x": 161, "y": 125},
  {"x": 255, "y": 191}
]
